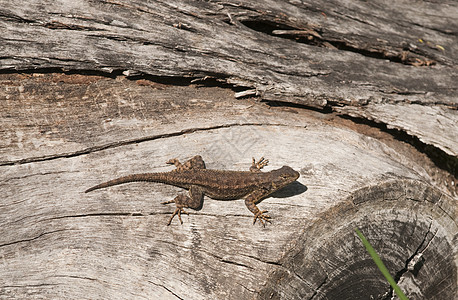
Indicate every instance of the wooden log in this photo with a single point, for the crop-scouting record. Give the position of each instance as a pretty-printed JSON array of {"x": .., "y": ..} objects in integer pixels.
[
  {"x": 91, "y": 91},
  {"x": 362, "y": 54}
]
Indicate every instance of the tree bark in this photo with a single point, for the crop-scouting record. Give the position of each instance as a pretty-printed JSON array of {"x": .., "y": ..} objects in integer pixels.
[{"x": 359, "y": 97}]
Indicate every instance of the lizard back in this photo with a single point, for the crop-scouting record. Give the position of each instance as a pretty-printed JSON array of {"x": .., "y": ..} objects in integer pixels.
[{"x": 217, "y": 184}]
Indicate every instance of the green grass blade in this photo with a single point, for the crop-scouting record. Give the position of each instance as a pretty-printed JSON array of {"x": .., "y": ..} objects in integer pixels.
[{"x": 381, "y": 266}]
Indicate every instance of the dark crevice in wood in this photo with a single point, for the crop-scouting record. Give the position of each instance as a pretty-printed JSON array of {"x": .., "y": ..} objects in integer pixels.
[
  {"x": 112, "y": 75},
  {"x": 275, "y": 103},
  {"x": 266, "y": 26},
  {"x": 407, "y": 268},
  {"x": 441, "y": 159},
  {"x": 206, "y": 80},
  {"x": 265, "y": 261},
  {"x": 373, "y": 53},
  {"x": 170, "y": 291},
  {"x": 10, "y": 17},
  {"x": 105, "y": 214},
  {"x": 60, "y": 25},
  {"x": 313, "y": 36},
  {"x": 236, "y": 263},
  {"x": 124, "y": 38},
  {"x": 317, "y": 290}
]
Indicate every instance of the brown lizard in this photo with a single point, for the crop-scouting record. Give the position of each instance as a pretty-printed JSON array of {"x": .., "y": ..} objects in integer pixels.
[{"x": 252, "y": 185}]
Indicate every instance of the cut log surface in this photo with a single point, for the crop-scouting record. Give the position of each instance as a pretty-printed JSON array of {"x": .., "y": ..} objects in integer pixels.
[{"x": 359, "y": 97}]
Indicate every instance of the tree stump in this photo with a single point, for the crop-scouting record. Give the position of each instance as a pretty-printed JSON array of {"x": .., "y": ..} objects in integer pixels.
[{"x": 359, "y": 97}]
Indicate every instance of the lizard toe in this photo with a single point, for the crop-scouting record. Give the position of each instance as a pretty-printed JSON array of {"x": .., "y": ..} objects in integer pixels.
[
  {"x": 262, "y": 217},
  {"x": 168, "y": 202},
  {"x": 178, "y": 211}
]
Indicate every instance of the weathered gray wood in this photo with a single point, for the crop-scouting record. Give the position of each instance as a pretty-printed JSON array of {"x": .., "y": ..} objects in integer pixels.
[
  {"x": 57, "y": 242},
  {"x": 379, "y": 46},
  {"x": 62, "y": 133},
  {"x": 333, "y": 266}
]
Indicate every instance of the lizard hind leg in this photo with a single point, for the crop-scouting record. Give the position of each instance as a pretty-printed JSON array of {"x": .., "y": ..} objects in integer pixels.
[
  {"x": 178, "y": 210},
  {"x": 194, "y": 201},
  {"x": 194, "y": 163}
]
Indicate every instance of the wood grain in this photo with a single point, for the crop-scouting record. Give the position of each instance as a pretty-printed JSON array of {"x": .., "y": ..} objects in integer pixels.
[
  {"x": 90, "y": 91},
  {"x": 363, "y": 53}
]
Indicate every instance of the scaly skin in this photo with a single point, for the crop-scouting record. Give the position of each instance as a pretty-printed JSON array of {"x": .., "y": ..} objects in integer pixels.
[{"x": 252, "y": 185}]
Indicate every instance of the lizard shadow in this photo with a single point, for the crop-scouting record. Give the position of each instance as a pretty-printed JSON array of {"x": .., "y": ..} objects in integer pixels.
[{"x": 293, "y": 189}]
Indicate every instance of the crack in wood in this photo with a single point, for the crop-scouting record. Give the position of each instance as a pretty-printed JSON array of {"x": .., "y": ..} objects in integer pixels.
[
  {"x": 317, "y": 290},
  {"x": 413, "y": 264},
  {"x": 28, "y": 285},
  {"x": 32, "y": 175},
  {"x": 77, "y": 277},
  {"x": 274, "y": 263},
  {"x": 124, "y": 38},
  {"x": 224, "y": 260},
  {"x": 9, "y": 16},
  {"x": 93, "y": 149},
  {"x": 59, "y": 26},
  {"x": 209, "y": 79},
  {"x": 168, "y": 290},
  {"x": 119, "y": 214},
  {"x": 448, "y": 214},
  {"x": 60, "y": 70},
  {"x": 31, "y": 239},
  {"x": 313, "y": 35},
  {"x": 440, "y": 158},
  {"x": 236, "y": 263},
  {"x": 246, "y": 288}
]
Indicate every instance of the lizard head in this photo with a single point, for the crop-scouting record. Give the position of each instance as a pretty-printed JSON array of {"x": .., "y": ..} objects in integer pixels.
[{"x": 284, "y": 176}]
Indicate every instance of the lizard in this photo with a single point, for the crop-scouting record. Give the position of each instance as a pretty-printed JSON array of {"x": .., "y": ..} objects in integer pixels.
[{"x": 253, "y": 185}]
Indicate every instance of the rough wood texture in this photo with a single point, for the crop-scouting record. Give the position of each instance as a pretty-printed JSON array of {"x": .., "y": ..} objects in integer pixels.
[
  {"x": 65, "y": 131},
  {"x": 359, "y": 54}
]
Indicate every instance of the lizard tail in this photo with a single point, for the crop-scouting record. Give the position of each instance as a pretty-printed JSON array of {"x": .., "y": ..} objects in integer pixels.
[{"x": 154, "y": 177}]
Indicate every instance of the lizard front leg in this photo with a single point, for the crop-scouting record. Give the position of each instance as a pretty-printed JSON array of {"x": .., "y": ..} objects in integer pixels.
[
  {"x": 194, "y": 201},
  {"x": 256, "y": 166},
  {"x": 250, "y": 202}
]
